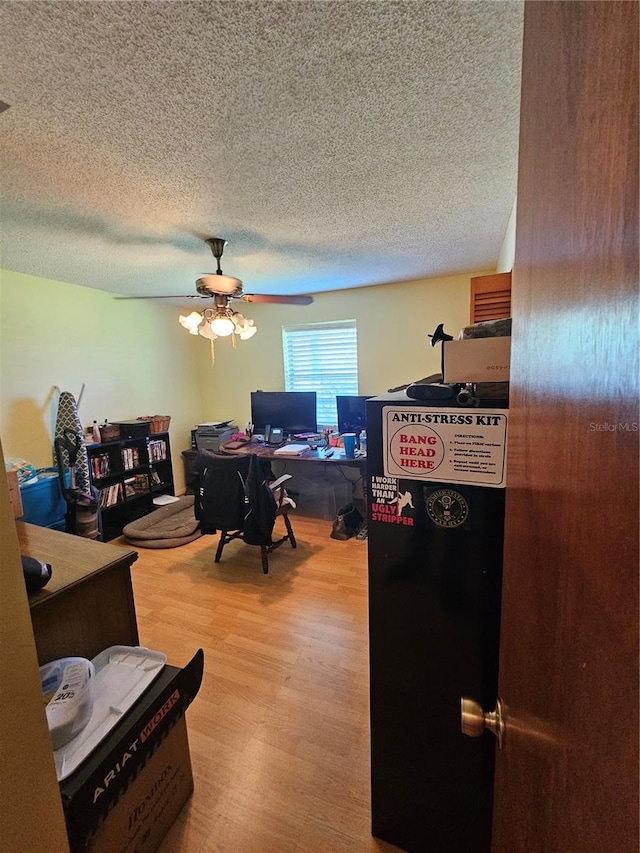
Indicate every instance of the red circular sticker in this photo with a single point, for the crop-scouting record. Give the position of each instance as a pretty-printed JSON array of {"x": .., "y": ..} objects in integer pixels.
[{"x": 416, "y": 448}]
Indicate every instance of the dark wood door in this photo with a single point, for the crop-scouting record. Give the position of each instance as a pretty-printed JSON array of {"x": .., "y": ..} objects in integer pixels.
[{"x": 567, "y": 780}]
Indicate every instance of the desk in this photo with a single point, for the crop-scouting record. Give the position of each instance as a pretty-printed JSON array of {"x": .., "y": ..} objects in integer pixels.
[
  {"x": 323, "y": 484},
  {"x": 87, "y": 605},
  {"x": 311, "y": 456},
  {"x": 314, "y": 457}
]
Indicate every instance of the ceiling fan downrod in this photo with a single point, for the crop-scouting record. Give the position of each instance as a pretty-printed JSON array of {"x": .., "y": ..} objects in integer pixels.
[{"x": 217, "y": 244}]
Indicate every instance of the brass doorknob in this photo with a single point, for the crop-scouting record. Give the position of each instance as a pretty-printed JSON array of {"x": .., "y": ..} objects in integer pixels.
[{"x": 474, "y": 720}]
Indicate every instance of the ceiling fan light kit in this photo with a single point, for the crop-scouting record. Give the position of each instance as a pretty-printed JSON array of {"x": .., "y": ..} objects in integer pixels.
[{"x": 220, "y": 322}]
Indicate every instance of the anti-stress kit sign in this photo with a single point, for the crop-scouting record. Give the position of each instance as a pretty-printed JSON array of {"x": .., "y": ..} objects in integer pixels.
[{"x": 466, "y": 446}]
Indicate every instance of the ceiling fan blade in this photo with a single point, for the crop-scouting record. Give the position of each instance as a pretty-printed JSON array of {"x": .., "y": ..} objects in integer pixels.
[
  {"x": 279, "y": 300},
  {"x": 179, "y": 296},
  {"x": 223, "y": 288}
]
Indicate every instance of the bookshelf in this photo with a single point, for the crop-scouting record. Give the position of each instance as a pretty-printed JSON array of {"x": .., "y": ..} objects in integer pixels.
[{"x": 128, "y": 473}]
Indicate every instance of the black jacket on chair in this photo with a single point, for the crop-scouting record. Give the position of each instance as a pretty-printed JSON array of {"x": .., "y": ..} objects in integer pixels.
[{"x": 232, "y": 493}]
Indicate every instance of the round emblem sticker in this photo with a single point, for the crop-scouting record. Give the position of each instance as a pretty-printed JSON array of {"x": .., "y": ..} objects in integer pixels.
[{"x": 447, "y": 508}]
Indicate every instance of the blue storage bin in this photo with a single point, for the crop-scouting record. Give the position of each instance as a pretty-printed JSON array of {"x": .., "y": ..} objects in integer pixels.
[{"x": 42, "y": 501}]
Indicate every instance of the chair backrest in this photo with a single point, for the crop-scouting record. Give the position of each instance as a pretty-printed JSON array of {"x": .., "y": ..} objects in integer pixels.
[{"x": 232, "y": 493}]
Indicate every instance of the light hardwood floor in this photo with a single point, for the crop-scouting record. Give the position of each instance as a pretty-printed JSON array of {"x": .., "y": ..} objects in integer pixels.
[{"x": 279, "y": 732}]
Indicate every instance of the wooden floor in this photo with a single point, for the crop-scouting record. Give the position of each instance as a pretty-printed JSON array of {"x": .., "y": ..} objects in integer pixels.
[{"x": 279, "y": 731}]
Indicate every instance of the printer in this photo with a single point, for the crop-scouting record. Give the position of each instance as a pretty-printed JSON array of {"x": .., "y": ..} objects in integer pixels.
[{"x": 208, "y": 436}]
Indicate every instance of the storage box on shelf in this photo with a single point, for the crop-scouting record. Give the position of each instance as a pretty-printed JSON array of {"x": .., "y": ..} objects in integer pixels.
[
  {"x": 128, "y": 473},
  {"x": 477, "y": 360},
  {"x": 157, "y": 423},
  {"x": 109, "y": 432}
]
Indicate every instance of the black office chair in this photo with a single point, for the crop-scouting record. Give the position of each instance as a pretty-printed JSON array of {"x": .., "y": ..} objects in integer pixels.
[{"x": 234, "y": 496}]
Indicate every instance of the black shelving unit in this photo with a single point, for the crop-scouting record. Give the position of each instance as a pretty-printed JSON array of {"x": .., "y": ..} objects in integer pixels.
[{"x": 129, "y": 473}]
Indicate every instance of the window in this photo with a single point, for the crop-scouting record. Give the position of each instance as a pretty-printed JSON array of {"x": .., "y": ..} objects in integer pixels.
[{"x": 322, "y": 357}]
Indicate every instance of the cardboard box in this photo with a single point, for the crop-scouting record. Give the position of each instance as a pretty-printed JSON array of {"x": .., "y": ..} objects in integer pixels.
[
  {"x": 152, "y": 802},
  {"x": 477, "y": 360},
  {"x": 129, "y": 791}
]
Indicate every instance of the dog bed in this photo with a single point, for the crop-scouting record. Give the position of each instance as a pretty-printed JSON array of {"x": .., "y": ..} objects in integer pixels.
[{"x": 171, "y": 525}]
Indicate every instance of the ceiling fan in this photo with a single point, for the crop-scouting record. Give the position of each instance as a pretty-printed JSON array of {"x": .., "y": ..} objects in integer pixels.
[
  {"x": 220, "y": 320},
  {"x": 223, "y": 288}
]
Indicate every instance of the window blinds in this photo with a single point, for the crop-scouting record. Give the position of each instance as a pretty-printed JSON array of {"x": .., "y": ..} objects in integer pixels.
[{"x": 322, "y": 357}]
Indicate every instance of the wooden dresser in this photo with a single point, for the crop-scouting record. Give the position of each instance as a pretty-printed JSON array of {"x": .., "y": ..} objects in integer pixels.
[{"x": 88, "y": 604}]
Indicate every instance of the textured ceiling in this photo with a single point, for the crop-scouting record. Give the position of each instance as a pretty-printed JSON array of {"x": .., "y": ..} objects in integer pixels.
[{"x": 333, "y": 144}]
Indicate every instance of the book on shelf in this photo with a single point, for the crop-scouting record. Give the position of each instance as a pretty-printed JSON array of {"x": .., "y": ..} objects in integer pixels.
[
  {"x": 100, "y": 465},
  {"x": 136, "y": 485},
  {"x": 130, "y": 458},
  {"x": 111, "y": 495},
  {"x": 157, "y": 450}
]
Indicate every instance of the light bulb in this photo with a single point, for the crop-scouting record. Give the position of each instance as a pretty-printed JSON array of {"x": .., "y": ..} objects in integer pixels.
[{"x": 222, "y": 326}]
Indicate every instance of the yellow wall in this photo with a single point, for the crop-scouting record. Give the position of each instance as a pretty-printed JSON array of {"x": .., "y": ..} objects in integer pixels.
[
  {"x": 135, "y": 359},
  {"x": 132, "y": 356}
]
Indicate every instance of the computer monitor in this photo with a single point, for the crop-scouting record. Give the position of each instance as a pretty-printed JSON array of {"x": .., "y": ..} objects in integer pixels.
[
  {"x": 352, "y": 413},
  {"x": 294, "y": 411}
]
